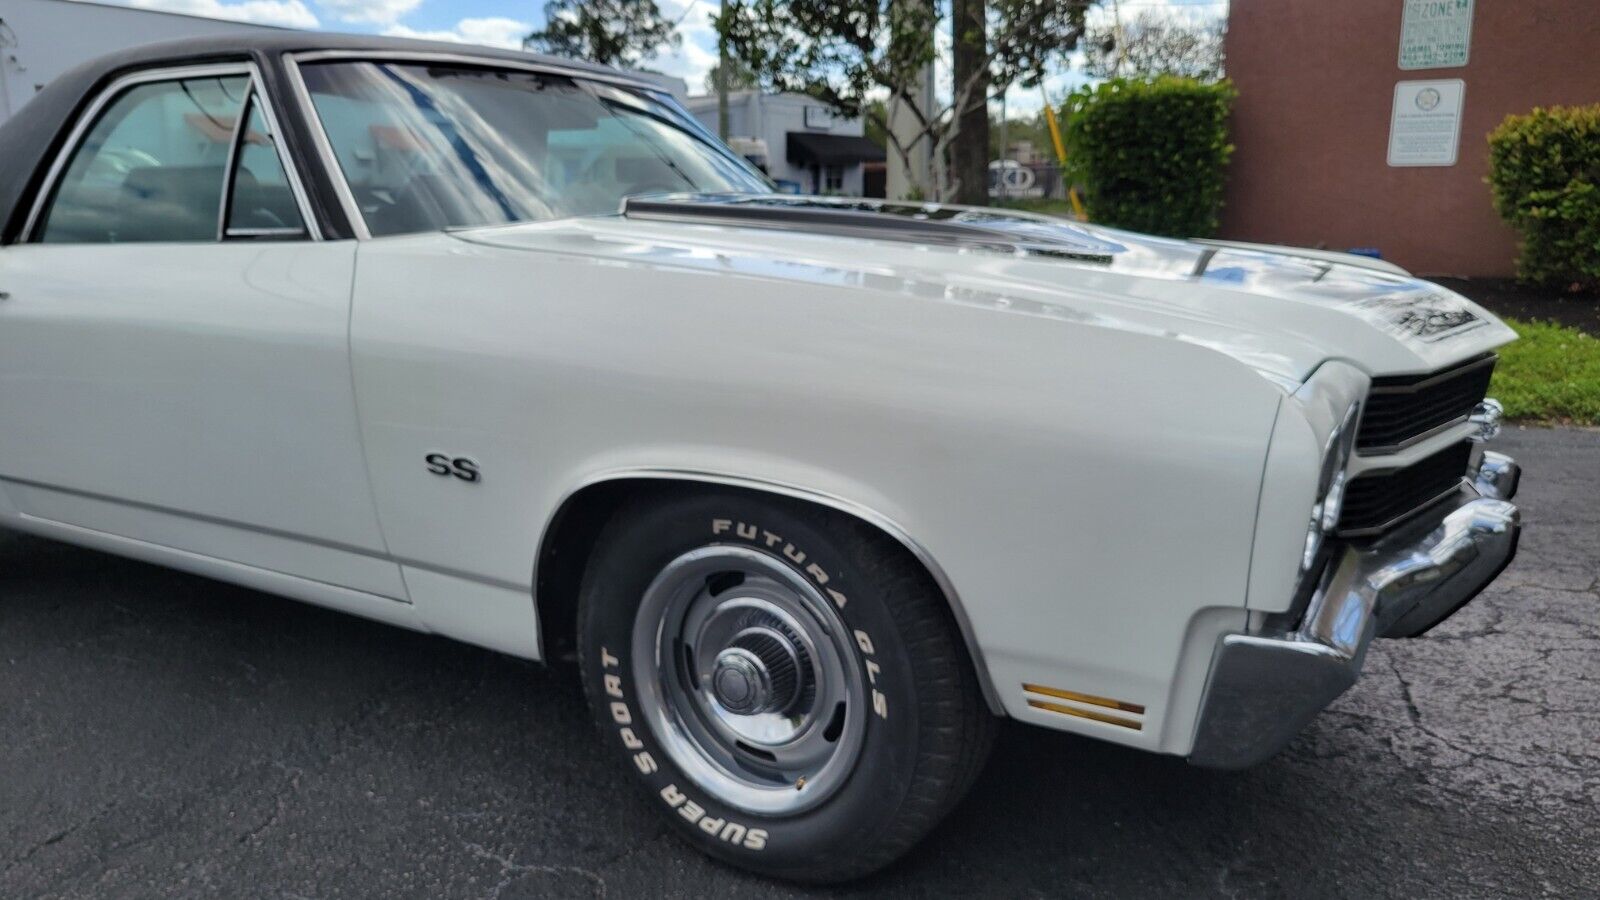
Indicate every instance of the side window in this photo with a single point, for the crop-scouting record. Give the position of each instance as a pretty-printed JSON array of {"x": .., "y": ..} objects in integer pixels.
[
  {"x": 261, "y": 203},
  {"x": 151, "y": 167}
]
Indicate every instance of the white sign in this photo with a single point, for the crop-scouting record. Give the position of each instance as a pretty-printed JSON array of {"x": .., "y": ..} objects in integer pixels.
[
  {"x": 819, "y": 117},
  {"x": 1435, "y": 34},
  {"x": 1425, "y": 127},
  {"x": 1009, "y": 178}
]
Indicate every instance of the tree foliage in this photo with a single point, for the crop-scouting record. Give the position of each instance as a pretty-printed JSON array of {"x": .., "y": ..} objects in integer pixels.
[
  {"x": 1155, "y": 44},
  {"x": 876, "y": 115},
  {"x": 739, "y": 77},
  {"x": 1544, "y": 177},
  {"x": 609, "y": 32},
  {"x": 1152, "y": 155},
  {"x": 1015, "y": 129},
  {"x": 846, "y": 53}
]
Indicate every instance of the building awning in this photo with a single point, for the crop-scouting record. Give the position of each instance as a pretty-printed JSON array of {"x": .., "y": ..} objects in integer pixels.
[{"x": 809, "y": 148}]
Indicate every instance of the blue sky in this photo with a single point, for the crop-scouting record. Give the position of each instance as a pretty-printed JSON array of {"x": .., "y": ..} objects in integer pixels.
[
  {"x": 493, "y": 22},
  {"x": 504, "y": 22}
]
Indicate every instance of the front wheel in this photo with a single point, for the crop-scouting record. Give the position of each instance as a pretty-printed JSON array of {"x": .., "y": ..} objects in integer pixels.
[{"x": 786, "y": 680}]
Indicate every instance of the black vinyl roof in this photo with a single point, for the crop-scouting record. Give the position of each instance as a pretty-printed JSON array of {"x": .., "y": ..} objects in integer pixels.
[
  {"x": 246, "y": 43},
  {"x": 29, "y": 138}
]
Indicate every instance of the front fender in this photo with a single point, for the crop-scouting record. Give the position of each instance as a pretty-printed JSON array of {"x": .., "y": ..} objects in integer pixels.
[{"x": 1089, "y": 492}]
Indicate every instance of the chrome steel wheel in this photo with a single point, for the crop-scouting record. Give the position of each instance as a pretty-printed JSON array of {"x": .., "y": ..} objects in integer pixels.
[
  {"x": 772, "y": 723},
  {"x": 748, "y": 676}
]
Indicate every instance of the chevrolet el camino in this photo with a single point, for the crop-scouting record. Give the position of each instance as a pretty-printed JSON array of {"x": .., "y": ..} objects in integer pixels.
[{"x": 511, "y": 350}]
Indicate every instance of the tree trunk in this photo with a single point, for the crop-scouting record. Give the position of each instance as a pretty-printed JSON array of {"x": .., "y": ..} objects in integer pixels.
[
  {"x": 947, "y": 181},
  {"x": 969, "y": 162}
]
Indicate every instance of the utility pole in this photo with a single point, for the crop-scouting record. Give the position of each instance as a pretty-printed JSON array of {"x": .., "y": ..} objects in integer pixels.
[
  {"x": 912, "y": 177},
  {"x": 722, "y": 85},
  {"x": 1119, "y": 37},
  {"x": 1005, "y": 146},
  {"x": 8, "y": 40}
]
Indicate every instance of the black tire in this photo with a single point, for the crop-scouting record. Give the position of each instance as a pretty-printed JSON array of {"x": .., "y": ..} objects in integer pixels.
[{"x": 918, "y": 754}]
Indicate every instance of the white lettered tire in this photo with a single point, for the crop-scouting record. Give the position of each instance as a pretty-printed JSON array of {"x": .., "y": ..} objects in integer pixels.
[{"x": 786, "y": 681}]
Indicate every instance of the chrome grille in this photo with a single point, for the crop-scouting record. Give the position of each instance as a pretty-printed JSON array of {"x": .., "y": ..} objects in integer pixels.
[
  {"x": 1375, "y": 502},
  {"x": 1401, "y": 410}
]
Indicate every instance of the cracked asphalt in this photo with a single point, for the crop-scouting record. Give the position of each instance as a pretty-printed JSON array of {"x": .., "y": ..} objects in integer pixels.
[{"x": 165, "y": 735}]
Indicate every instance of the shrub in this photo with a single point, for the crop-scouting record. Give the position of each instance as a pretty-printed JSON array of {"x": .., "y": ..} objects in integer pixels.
[
  {"x": 1544, "y": 175},
  {"x": 1151, "y": 154}
]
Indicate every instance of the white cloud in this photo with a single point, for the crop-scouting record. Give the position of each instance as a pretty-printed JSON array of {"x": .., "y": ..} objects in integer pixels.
[
  {"x": 1200, "y": 12},
  {"x": 288, "y": 13},
  {"x": 378, "y": 12},
  {"x": 694, "y": 21},
  {"x": 488, "y": 32},
  {"x": 692, "y": 60}
]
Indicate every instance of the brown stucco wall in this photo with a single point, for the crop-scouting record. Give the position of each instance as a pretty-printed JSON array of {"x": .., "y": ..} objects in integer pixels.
[{"x": 1316, "y": 84}]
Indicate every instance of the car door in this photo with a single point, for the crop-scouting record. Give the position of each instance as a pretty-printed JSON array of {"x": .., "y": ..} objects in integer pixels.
[{"x": 174, "y": 353}]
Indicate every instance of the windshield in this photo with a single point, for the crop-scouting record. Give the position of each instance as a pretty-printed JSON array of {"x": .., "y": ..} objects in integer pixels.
[{"x": 425, "y": 147}]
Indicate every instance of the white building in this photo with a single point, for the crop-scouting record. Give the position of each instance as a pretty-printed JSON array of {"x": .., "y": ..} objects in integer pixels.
[
  {"x": 795, "y": 139},
  {"x": 40, "y": 39}
]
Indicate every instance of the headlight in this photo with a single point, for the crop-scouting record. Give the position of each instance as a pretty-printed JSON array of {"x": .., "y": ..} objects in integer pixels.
[{"x": 1330, "y": 488}]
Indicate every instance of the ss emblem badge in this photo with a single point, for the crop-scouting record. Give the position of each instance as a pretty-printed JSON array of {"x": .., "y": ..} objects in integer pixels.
[{"x": 462, "y": 467}]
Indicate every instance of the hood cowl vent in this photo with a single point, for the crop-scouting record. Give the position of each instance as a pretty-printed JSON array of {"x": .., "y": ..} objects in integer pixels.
[{"x": 917, "y": 223}]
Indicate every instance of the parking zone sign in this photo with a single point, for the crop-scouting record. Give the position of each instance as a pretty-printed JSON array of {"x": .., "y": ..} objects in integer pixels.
[{"x": 1435, "y": 34}]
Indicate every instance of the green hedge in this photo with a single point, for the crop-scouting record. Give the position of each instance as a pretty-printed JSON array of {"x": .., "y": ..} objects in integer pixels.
[
  {"x": 1151, "y": 155},
  {"x": 1544, "y": 174}
]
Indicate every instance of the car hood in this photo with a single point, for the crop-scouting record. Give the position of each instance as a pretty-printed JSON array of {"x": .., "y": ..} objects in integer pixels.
[{"x": 1282, "y": 311}]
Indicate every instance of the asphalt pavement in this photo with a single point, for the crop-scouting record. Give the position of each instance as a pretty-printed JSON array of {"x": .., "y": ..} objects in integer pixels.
[{"x": 166, "y": 735}]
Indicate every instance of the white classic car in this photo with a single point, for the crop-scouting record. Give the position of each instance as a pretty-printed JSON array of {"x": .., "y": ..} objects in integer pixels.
[{"x": 509, "y": 349}]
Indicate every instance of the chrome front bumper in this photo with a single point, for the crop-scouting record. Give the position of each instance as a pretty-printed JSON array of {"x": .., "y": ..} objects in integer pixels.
[{"x": 1263, "y": 688}]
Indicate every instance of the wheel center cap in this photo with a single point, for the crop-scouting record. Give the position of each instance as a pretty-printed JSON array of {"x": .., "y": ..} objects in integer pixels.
[
  {"x": 757, "y": 672},
  {"x": 741, "y": 682}
]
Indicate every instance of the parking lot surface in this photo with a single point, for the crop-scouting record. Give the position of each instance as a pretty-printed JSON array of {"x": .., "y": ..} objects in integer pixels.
[{"x": 162, "y": 734}]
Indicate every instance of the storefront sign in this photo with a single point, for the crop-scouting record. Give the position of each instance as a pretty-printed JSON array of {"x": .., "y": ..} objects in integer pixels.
[
  {"x": 1425, "y": 127},
  {"x": 1435, "y": 34},
  {"x": 819, "y": 117}
]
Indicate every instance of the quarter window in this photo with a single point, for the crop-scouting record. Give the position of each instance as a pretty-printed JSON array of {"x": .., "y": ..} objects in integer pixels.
[
  {"x": 151, "y": 167},
  {"x": 261, "y": 202}
]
